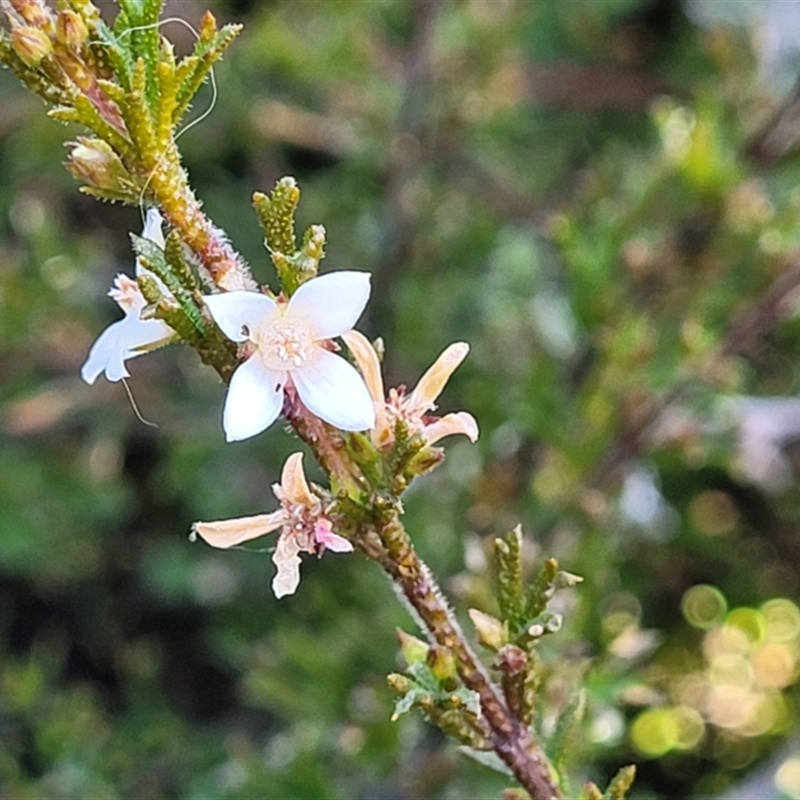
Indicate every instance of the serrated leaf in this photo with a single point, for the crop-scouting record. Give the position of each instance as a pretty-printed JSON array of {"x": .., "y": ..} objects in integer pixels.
[
  {"x": 206, "y": 53},
  {"x": 276, "y": 215},
  {"x": 542, "y": 589},
  {"x": 508, "y": 555},
  {"x": 174, "y": 255},
  {"x": 138, "y": 118},
  {"x": 89, "y": 116},
  {"x": 152, "y": 258},
  {"x": 621, "y": 783},
  {"x": 115, "y": 50},
  {"x": 166, "y": 98}
]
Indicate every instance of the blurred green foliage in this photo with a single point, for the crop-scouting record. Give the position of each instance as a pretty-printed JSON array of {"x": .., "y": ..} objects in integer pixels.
[{"x": 566, "y": 186}]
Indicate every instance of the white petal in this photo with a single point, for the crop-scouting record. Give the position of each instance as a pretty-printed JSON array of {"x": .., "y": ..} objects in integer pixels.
[
  {"x": 123, "y": 339},
  {"x": 152, "y": 227},
  {"x": 450, "y": 424},
  {"x": 288, "y": 577},
  {"x": 254, "y": 400},
  {"x": 239, "y": 313},
  {"x": 230, "y": 532},
  {"x": 155, "y": 233},
  {"x": 333, "y": 390},
  {"x": 106, "y": 356},
  {"x": 332, "y": 303},
  {"x": 287, "y": 560}
]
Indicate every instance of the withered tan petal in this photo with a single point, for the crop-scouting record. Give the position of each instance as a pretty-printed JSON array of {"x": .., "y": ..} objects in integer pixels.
[
  {"x": 433, "y": 381},
  {"x": 293, "y": 481},
  {"x": 367, "y": 360},
  {"x": 461, "y": 422},
  {"x": 230, "y": 532}
]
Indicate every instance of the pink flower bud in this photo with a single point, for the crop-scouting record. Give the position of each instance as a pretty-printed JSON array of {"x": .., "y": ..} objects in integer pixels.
[
  {"x": 96, "y": 164},
  {"x": 71, "y": 29},
  {"x": 31, "y": 45}
]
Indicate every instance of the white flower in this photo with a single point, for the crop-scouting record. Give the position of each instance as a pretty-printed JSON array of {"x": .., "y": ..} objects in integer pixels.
[
  {"x": 304, "y": 527},
  {"x": 130, "y": 336},
  {"x": 412, "y": 409},
  {"x": 288, "y": 343}
]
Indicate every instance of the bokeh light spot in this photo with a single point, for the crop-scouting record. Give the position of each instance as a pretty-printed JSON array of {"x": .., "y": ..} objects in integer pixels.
[
  {"x": 749, "y": 621},
  {"x": 774, "y": 666},
  {"x": 782, "y": 619},
  {"x": 787, "y": 778},
  {"x": 704, "y": 606},
  {"x": 658, "y": 730}
]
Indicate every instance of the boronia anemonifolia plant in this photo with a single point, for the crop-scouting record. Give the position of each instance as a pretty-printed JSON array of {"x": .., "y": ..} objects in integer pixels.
[{"x": 291, "y": 352}]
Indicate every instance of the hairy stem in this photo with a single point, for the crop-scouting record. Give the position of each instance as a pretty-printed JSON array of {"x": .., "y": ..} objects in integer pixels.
[
  {"x": 511, "y": 739},
  {"x": 166, "y": 180}
]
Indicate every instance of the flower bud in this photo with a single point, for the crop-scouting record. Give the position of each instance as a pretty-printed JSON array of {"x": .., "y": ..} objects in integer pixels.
[
  {"x": 31, "y": 45},
  {"x": 95, "y": 163},
  {"x": 33, "y": 12},
  {"x": 399, "y": 683},
  {"x": 511, "y": 660},
  {"x": 425, "y": 460},
  {"x": 491, "y": 632},
  {"x": 414, "y": 650},
  {"x": 71, "y": 29},
  {"x": 442, "y": 663}
]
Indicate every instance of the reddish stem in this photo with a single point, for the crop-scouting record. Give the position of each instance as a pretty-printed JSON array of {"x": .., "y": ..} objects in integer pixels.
[{"x": 512, "y": 740}]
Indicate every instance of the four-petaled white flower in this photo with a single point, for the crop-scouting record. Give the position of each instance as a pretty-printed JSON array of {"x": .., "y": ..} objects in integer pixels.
[
  {"x": 130, "y": 336},
  {"x": 412, "y": 409},
  {"x": 301, "y": 518},
  {"x": 288, "y": 343}
]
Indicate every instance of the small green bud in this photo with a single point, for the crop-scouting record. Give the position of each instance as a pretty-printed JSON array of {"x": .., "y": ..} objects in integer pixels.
[
  {"x": 442, "y": 663},
  {"x": 31, "y": 45},
  {"x": 399, "y": 683},
  {"x": 413, "y": 649},
  {"x": 492, "y": 633},
  {"x": 424, "y": 461},
  {"x": 591, "y": 792},
  {"x": 71, "y": 29}
]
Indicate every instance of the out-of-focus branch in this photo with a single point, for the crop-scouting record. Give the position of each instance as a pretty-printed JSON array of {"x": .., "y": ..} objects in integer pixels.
[{"x": 765, "y": 313}]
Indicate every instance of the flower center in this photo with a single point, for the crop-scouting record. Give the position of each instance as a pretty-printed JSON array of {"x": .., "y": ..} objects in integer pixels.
[
  {"x": 284, "y": 344},
  {"x": 126, "y": 293}
]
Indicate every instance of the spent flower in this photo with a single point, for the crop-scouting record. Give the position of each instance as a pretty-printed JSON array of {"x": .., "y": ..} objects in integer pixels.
[
  {"x": 288, "y": 345},
  {"x": 132, "y": 335},
  {"x": 304, "y": 527},
  {"x": 413, "y": 409}
]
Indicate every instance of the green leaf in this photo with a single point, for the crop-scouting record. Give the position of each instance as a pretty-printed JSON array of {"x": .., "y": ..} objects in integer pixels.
[
  {"x": 194, "y": 69},
  {"x": 276, "y": 215},
  {"x": 542, "y": 589},
  {"x": 621, "y": 783},
  {"x": 508, "y": 555},
  {"x": 152, "y": 257}
]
